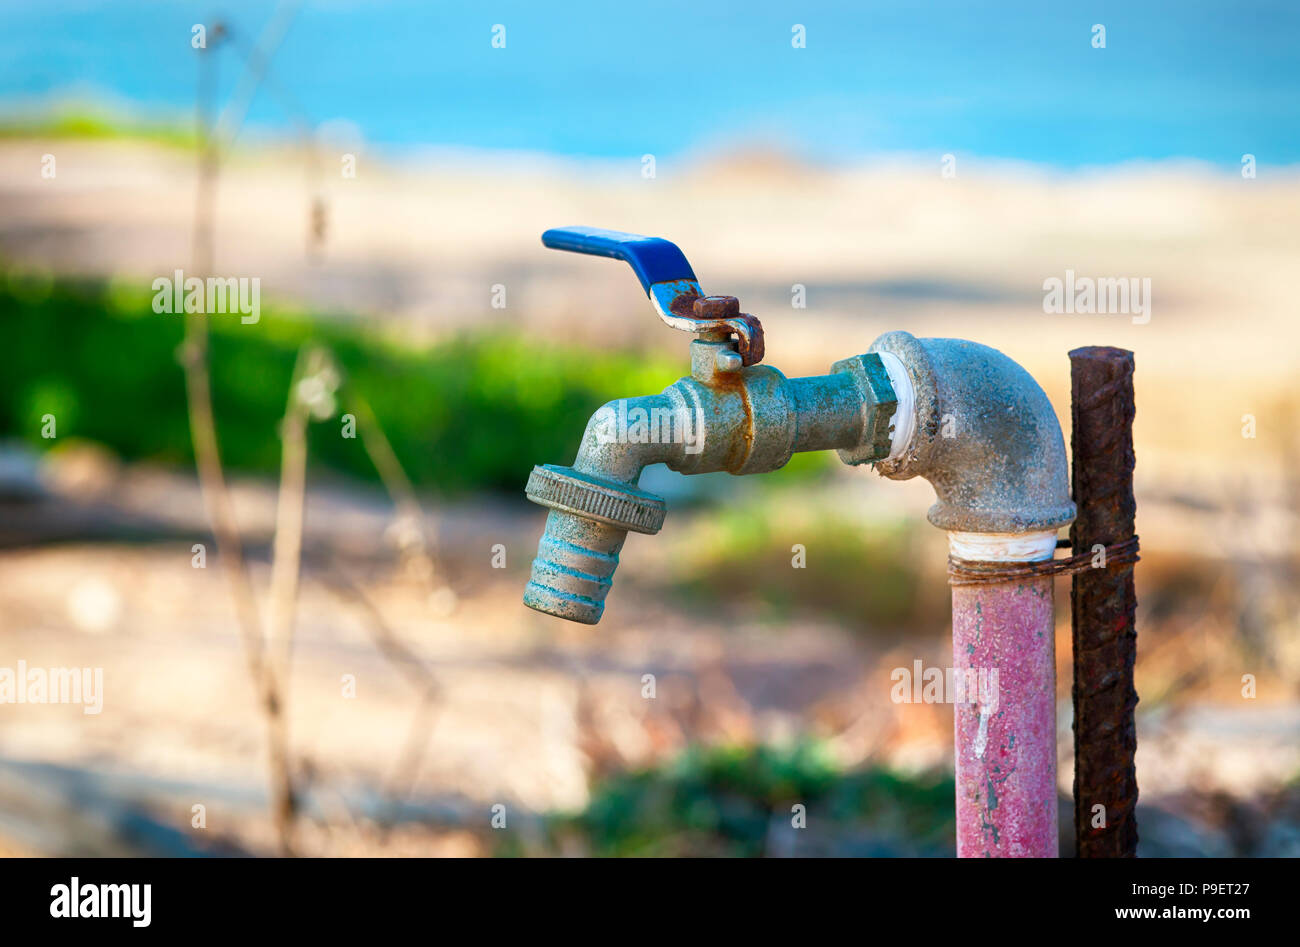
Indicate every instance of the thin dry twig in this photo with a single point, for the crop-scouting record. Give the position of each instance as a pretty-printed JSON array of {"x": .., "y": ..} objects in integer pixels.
[
  {"x": 194, "y": 359},
  {"x": 310, "y": 389},
  {"x": 411, "y": 530}
]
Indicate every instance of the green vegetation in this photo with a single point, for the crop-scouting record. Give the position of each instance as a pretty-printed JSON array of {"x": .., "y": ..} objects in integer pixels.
[
  {"x": 737, "y": 801},
  {"x": 94, "y": 124},
  {"x": 472, "y": 412}
]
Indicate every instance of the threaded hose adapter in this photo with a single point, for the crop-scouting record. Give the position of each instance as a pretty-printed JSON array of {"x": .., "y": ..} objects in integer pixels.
[{"x": 589, "y": 520}]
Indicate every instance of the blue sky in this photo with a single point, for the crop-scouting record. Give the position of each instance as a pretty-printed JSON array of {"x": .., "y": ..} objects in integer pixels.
[{"x": 618, "y": 79}]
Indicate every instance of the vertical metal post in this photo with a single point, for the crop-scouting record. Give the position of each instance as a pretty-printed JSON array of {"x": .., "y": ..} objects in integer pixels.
[{"x": 1104, "y": 603}]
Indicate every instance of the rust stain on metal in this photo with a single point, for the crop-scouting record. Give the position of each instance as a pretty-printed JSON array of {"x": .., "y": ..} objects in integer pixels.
[
  {"x": 729, "y": 385},
  {"x": 716, "y": 308},
  {"x": 747, "y": 426},
  {"x": 722, "y": 314},
  {"x": 1104, "y": 603},
  {"x": 751, "y": 347},
  {"x": 683, "y": 305}
]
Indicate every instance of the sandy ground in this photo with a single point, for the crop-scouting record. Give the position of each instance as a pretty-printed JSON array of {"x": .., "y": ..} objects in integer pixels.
[{"x": 523, "y": 711}]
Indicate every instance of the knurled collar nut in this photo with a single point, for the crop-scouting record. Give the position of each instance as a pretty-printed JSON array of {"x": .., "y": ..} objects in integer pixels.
[
  {"x": 605, "y": 501},
  {"x": 879, "y": 404}
]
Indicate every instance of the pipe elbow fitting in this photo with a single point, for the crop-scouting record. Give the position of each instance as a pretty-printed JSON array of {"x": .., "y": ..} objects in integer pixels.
[{"x": 984, "y": 435}]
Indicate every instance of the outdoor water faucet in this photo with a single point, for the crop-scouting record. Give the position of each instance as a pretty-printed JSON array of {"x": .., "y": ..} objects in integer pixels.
[
  {"x": 731, "y": 413},
  {"x": 959, "y": 414}
]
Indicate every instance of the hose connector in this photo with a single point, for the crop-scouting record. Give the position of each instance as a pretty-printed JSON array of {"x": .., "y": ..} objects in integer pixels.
[{"x": 589, "y": 520}]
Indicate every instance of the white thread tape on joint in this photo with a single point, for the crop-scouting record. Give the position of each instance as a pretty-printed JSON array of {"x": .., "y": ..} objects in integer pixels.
[
  {"x": 1002, "y": 547},
  {"x": 904, "y": 421}
]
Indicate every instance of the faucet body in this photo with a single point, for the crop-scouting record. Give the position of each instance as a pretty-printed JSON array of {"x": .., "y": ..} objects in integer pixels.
[
  {"x": 747, "y": 420},
  {"x": 961, "y": 415}
]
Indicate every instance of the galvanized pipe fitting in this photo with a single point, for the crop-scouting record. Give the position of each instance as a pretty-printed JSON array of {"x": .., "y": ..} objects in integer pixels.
[{"x": 985, "y": 437}]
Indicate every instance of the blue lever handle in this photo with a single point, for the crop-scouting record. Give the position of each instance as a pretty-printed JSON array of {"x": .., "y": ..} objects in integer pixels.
[{"x": 653, "y": 259}]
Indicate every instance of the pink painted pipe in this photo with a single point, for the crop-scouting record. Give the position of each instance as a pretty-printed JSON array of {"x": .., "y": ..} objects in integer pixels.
[{"x": 1006, "y": 732}]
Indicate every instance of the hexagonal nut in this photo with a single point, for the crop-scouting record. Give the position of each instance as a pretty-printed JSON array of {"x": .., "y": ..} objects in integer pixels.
[{"x": 880, "y": 401}]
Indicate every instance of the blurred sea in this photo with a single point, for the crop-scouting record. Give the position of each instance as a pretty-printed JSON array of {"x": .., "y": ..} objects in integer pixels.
[{"x": 1206, "y": 80}]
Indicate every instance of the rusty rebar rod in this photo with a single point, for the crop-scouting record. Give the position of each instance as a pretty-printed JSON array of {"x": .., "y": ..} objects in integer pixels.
[{"x": 1104, "y": 604}]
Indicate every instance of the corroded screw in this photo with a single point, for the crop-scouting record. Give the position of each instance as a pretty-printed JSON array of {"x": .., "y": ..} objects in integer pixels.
[{"x": 717, "y": 307}]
